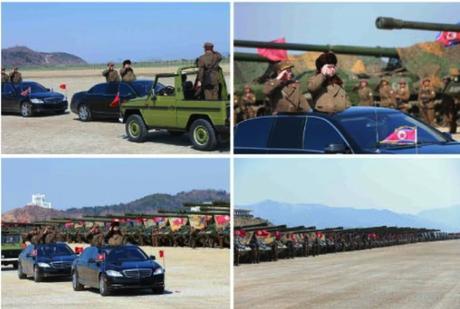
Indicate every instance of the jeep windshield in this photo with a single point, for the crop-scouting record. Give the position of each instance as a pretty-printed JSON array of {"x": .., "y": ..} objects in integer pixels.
[
  {"x": 126, "y": 254},
  {"x": 374, "y": 130},
  {"x": 51, "y": 250}
]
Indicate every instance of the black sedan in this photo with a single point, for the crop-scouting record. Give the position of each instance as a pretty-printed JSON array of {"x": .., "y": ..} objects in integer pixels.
[
  {"x": 103, "y": 100},
  {"x": 357, "y": 130},
  {"x": 120, "y": 267},
  {"x": 45, "y": 260},
  {"x": 29, "y": 98}
]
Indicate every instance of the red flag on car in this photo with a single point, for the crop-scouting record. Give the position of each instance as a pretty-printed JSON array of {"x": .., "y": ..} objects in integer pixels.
[
  {"x": 63, "y": 86},
  {"x": 402, "y": 135},
  {"x": 274, "y": 54},
  {"x": 26, "y": 92},
  {"x": 116, "y": 100},
  {"x": 162, "y": 253}
]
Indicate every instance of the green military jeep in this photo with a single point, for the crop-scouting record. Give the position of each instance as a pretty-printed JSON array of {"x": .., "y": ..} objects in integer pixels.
[
  {"x": 179, "y": 109},
  {"x": 12, "y": 246}
]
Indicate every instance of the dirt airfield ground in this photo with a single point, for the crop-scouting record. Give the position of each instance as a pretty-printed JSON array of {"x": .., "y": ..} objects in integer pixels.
[
  {"x": 195, "y": 278},
  {"x": 422, "y": 275},
  {"x": 65, "y": 134}
]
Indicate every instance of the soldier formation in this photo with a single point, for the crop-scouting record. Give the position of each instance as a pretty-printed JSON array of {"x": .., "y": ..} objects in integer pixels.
[{"x": 14, "y": 77}]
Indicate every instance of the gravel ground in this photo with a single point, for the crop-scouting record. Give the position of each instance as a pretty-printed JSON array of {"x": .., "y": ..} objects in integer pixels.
[
  {"x": 197, "y": 278},
  {"x": 422, "y": 275}
]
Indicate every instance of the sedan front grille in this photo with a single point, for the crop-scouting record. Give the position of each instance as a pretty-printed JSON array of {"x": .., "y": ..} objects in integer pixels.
[
  {"x": 137, "y": 273},
  {"x": 61, "y": 265},
  {"x": 53, "y": 100}
]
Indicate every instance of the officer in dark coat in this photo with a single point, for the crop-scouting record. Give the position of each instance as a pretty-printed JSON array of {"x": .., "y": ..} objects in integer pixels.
[
  {"x": 110, "y": 74},
  {"x": 95, "y": 237},
  {"x": 127, "y": 72},
  {"x": 208, "y": 74},
  {"x": 15, "y": 76}
]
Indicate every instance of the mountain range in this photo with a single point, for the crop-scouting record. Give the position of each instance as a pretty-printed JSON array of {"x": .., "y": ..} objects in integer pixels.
[
  {"x": 322, "y": 216},
  {"x": 147, "y": 204},
  {"x": 23, "y": 56}
]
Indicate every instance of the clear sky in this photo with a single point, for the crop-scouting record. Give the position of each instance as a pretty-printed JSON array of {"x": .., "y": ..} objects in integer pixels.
[
  {"x": 404, "y": 185},
  {"x": 339, "y": 23},
  {"x": 89, "y": 182},
  {"x": 99, "y": 32}
]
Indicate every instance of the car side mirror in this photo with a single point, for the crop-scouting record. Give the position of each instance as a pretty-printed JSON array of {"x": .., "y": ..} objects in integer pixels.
[
  {"x": 335, "y": 148},
  {"x": 152, "y": 257}
]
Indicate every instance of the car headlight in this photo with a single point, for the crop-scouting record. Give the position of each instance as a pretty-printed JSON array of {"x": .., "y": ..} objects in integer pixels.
[
  {"x": 113, "y": 273},
  {"x": 65, "y": 98},
  {"x": 36, "y": 101},
  {"x": 43, "y": 265},
  {"x": 158, "y": 271}
]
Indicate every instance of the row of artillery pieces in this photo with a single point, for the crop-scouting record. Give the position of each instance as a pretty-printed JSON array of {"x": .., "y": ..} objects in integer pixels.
[
  {"x": 262, "y": 242},
  {"x": 207, "y": 227}
]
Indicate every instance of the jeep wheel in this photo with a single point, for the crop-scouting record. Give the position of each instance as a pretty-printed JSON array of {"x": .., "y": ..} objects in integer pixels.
[
  {"x": 21, "y": 275},
  {"x": 136, "y": 129},
  {"x": 37, "y": 276},
  {"x": 77, "y": 286},
  {"x": 84, "y": 113},
  {"x": 103, "y": 288},
  {"x": 202, "y": 135},
  {"x": 26, "y": 109}
]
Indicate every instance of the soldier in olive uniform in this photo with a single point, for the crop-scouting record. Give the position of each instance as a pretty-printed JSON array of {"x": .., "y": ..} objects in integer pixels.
[
  {"x": 426, "y": 97},
  {"x": 15, "y": 76},
  {"x": 110, "y": 74},
  {"x": 283, "y": 91},
  {"x": 402, "y": 96},
  {"x": 127, "y": 72},
  {"x": 365, "y": 94},
  {"x": 114, "y": 237},
  {"x": 450, "y": 105},
  {"x": 248, "y": 100},
  {"x": 326, "y": 87},
  {"x": 208, "y": 74},
  {"x": 95, "y": 237},
  {"x": 387, "y": 95},
  {"x": 5, "y": 77}
]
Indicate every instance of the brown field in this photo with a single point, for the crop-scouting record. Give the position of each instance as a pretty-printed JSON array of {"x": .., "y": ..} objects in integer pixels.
[
  {"x": 65, "y": 134},
  {"x": 195, "y": 278},
  {"x": 422, "y": 275}
]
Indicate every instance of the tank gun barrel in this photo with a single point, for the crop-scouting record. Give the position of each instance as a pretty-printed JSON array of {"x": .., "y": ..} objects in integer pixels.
[{"x": 389, "y": 23}]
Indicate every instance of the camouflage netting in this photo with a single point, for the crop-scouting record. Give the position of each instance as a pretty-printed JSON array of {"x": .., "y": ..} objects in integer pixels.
[{"x": 430, "y": 59}]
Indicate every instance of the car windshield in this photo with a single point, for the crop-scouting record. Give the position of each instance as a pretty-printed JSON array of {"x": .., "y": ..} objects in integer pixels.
[
  {"x": 389, "y": 129},
  {"x": 34, "y": 87},
  {"x": 142, "y": 87},
  {"x": 126, "y": 254},
  {"x": 10, "y": 239},
  {"x": 51, "y": 250}
]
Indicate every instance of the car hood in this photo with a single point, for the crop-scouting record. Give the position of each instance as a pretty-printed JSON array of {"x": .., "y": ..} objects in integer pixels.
[
  {"x": 46, "y": 95},
  {"x": 448, "y": 148},
  {"x": 61, "y": 258},
  {"x": 138, "y": 264}
]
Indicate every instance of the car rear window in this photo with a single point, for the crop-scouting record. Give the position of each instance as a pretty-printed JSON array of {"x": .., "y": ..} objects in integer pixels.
[
  {"x": 287, "y": 132},
  {"x": 253, "y": 133},
  {"x": 319, "y": 134}
]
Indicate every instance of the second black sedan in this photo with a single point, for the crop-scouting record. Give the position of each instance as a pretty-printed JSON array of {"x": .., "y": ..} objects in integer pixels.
[
  {"x": 357, "y": 130},
  {"x": 29, "y": 98},
  {"x": 103, "y": 100},
  {"x": 45, "y": 260},
  {"x": 119, "y": 267}
]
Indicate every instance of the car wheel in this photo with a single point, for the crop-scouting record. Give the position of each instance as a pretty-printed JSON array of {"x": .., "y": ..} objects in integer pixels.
[
  {"x": 77, "y": 286},
  {"x": 103, "y": 288},
  {"x": 158, "y": 290},
  {"x": 37, "y": 276},
  {"x": 26, "y": 109},
  {"x": 136, "y": 129},
  {"x": 21, "y": 274},
  {"x": 84, "y": 113},
  {"x": 202, "y": 135}
]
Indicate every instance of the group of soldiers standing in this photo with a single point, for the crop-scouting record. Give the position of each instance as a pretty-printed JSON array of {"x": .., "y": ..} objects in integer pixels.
[
  {"x": 14, "y": 76},
  {"x": 126, "y": 72}
]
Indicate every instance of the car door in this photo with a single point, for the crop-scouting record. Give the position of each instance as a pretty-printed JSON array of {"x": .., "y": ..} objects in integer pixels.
[
  {"x": 286, "y": 136},
  {"x": 93, "y": 267},
  {"x": 82, "y": 265},
  {"x": 162, "y": 110},
  {"x": 9, "y": 98},
  {"x": 96, "y": 99},
  {"x": 28, "y": 261},
  {"x": 251, "y": 136},
  {"x": 321, "y": 136}
]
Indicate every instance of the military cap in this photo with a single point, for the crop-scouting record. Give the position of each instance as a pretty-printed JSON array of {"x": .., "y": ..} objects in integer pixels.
[
  {"x": 325, "y": 58},
  {"x": 208, "y": 45},
  {"x": 402, "y": 81},
  {"x": 127, "y": 61},
  {"x": 110, "y": 63},
  {"x": 284, "y": 65}
]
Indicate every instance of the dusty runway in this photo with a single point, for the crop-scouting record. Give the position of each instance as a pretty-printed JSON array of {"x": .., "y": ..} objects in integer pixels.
[
  {"x": 65, "y": 134},
  {"x": 197, "y": 278},
  {"x": 422, "y": 275}
]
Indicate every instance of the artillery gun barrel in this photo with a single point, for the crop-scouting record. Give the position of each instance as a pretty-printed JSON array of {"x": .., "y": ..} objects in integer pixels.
[
  {"x": 244, "y": 227},
  {"x": 267, "y": 228},
  {"x": 389, "y": 23},
  {"x": 339, "y": 49}
]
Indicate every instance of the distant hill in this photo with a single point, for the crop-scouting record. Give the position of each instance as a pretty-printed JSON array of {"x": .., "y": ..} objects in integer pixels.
[
  {"x": 147, "y": 204},
  {"x": 449, "y": 216},
  {"x": 324, "y": 216},
  {"x": 24, "y": 56}
]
